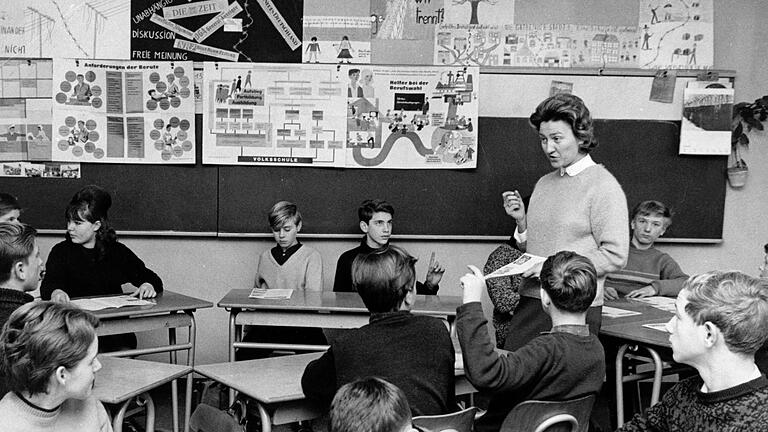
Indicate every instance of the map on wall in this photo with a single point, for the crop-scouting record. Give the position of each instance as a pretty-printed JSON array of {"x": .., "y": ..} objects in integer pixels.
[{"x": 123, "y": 111}]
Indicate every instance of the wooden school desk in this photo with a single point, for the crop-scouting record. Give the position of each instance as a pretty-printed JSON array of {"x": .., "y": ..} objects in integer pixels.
[
  {"x": 314, "y": 309},
  {"x": 275, "y": 384},
  {"x": 170, "y": 310},
  {"x": 632, "y": 336},
  {"x": 120, "y": 380}
]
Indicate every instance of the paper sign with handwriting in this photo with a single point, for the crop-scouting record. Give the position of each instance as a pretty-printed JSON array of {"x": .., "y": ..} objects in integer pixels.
[{"x": 271, "y": 294}]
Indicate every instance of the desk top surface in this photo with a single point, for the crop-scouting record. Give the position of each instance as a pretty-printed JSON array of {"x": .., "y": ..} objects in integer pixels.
[
  {"x": 326, "y": 301},
  {"x": 268, "y": 380},
  {"x": 166, "y": 301},
  {"x": 631, "y": 328},
  {"x": 121, "y": 378}
]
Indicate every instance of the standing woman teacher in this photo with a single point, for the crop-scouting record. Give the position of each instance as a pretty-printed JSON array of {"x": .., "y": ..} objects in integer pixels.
[
  {"x": 579, "y": 207},
  {"x": 91, "y": 262}
]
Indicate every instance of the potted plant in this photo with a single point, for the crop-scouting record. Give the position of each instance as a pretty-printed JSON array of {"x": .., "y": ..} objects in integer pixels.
[{"x": 746, "y": 116}]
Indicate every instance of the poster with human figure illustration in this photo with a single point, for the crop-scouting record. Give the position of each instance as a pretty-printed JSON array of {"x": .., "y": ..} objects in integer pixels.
[
  {"x": 676, "y": 34},
  {"x": 123, "y": 112},
  {"x": 337, "y": 34},
  {"x": 409, "y": 117}
]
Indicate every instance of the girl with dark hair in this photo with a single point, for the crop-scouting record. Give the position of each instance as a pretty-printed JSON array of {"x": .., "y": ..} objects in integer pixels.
[
  {"x": 10, "y": 210},
  {"x": 91, "y": 262}
]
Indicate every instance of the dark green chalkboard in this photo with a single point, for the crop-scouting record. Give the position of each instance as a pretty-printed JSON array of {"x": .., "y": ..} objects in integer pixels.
[{"x": 642, "y": 154}]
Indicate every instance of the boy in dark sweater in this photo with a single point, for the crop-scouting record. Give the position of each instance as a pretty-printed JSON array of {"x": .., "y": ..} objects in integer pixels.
[
  {"x": 413, "y": 352},
  {"x": 562, "y": 364},
  {"x": 721, "y": 319}
]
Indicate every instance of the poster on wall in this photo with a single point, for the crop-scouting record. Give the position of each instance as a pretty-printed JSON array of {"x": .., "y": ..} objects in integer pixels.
[
  {"x": 403, "y": 31},
  {"x": 41, "y": 169},
  {"x": 123, "y": 112},
  {"x": 706, "y": 124},
  {"x": 338, "y": 34},
  {"x": 411, "y": 117},
  {"x": 216, "y": 30},
  {"x": 676, "y": 35},
  {"x": 65, "y": 28},
  {"x": 25, "y": 110},
  {"x": 279, "y": 114}
]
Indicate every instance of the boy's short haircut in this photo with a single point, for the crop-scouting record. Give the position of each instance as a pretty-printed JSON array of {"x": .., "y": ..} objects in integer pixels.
[
  {"x": 369, "y": 405},
  {"x": 570, "y": 280},
  {"x": 17, "y": 242},
  {"x": 8, "y": 203},
  {"x": 383, "y": 277},
  {"x": 282, "y": 212},
  {"x": 352, "y": 71},
  {"x": 733, "y": 301},
  {"x": 38, "y": 338},
  {"x": 369, "y": 207},
  {"x": 652, "y": 208}
]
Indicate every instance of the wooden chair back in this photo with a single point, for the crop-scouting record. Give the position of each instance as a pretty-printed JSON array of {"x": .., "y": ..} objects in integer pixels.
[{"x": 460, "y": 421}]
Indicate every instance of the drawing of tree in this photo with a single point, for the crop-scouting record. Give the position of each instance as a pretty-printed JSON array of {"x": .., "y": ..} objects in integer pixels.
[{"x": 474, "y": 4}]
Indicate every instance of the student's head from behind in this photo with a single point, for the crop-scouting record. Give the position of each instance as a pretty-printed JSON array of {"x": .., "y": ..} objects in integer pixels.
[
  {"x": 719, "y": 308},
  {"x": 370, "y": 405},
  {"x": 649, "y": 221},
  {"x": 376, "y": 221},
  {"x": 385, "y": 279},
  {"x": 565, "y": 129},
  {"x": 10, "y": 210},
  {"x": 20, "y": 263},
  {"x": 48, "y": 347},
  {"x": 86, "y": 216},
  {"x": 285, "y": 222},
  {"x": 568, "y": 282}
]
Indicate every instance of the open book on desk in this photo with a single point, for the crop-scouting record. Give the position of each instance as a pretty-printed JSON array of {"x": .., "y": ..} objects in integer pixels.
[{"x": 98, "y": 303}]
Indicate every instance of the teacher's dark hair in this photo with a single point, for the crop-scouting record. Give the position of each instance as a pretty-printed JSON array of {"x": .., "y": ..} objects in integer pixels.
[
  {"x": 91, "y": 204},
  {"x": 570, "y": 109}
]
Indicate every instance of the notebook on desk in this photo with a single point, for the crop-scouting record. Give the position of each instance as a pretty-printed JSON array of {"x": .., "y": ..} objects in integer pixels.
[{"x": 98, "y": 303}]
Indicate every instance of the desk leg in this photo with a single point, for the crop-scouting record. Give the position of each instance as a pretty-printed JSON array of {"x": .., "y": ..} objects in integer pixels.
[
  {"x": 234, "y": 336},
  {"x": 174, "y": 383},
  {"x": 620, "y": 385},
  {"x": 191, "y": 363},
  {"x": 658, "y": 369},
  {"x": 149, "y": 406},
  {"x": 266, "y": 421}
]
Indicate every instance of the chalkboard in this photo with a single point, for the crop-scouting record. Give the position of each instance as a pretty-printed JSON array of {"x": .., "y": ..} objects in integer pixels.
[
  {"x": 144, "y": 197},
  {"x": 642, "y": 154}
]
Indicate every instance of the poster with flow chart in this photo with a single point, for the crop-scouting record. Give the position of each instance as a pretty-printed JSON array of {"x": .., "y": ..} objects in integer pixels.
[
  {"x": 123, "y": 112},
  {"x": 273, "y": 114}
]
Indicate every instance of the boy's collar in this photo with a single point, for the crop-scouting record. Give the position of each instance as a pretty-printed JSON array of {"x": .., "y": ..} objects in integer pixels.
[{"x": 574, "y": 329}]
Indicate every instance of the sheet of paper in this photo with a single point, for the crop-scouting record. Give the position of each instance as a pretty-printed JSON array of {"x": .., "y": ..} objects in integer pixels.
[
  {"x": 521, "y": 264},
  {"x": 271, "y": 294},
  {"x": 99, "y": 303},
  {"x": 612, "y": 312},
  {"x": 659, "y": 302},
  {"x": 657, "y": 326}
]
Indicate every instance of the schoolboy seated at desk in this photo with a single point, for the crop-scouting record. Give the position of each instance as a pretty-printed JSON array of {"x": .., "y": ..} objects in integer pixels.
[
  {"x": 376, "y": 222},
  {"x": 370, "y": 405},
  {"x": 565, "y": 363},
  {"x": 413, "y": 352},
  {"x": 649, "y": 271},
  {"x": 288, "y": 265},
  {"x": 720, "y": 321}
]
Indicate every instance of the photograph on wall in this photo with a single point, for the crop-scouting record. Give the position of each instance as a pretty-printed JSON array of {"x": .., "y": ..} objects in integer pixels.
[
  {"x": 65, "y": 28},
  {"x": 41, "y": 169},
  {"x": 123, "y": 112},
  {"x": 273, "y": 114},
  {"x": 25, "y": 109},
  {"x": 338, "y": 34},
  {"x": 217, "y": 30},
  {"x": 411, "y": 117},
  {"x": 676, "y": 35},
  {"x": 403, "y": 31},
  {"x": 706, "y": 125}
]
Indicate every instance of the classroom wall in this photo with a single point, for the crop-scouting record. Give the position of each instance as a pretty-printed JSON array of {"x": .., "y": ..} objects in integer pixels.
[{"x": 209, "y": 267}]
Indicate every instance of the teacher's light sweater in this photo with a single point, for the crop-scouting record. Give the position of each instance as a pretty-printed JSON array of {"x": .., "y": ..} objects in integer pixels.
[{"x": 585, "y": 213}]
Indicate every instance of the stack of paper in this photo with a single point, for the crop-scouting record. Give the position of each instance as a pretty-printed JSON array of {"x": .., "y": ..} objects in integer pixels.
[
  {"x": 99, "y": 303},
  {"x": 270, "y": 294},
  {"x": 659, "y": 302}
]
